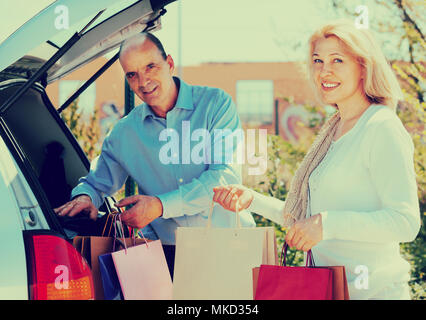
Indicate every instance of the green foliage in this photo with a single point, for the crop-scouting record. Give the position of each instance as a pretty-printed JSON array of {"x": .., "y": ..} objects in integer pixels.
[
  {"x": 413, "y": 114},
  {"x": 86, "y": 130}
]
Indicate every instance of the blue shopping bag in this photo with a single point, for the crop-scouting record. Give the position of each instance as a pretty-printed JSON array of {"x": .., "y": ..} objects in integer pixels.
[{"x": 110, "y": 282}]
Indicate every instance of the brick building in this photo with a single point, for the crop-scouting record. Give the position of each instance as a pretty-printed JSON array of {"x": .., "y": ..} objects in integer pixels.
[{"x": 258, "y": 90}]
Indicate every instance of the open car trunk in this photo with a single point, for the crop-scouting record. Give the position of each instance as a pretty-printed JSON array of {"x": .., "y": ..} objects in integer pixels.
[{"x": 46, "y": 151}]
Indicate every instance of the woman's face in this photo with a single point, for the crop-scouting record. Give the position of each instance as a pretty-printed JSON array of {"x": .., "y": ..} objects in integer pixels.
[{"x": 337, "y": 74}]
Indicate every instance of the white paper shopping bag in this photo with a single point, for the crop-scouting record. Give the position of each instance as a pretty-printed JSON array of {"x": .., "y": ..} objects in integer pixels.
[{"x": 216, "y": 263}]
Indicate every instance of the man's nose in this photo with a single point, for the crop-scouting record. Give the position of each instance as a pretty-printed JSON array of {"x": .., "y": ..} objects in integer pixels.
[{"x": 143, "y": 80}]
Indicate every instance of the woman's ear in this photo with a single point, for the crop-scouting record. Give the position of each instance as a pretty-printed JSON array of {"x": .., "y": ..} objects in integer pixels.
[
  {"x": 363, "y": 72},
  {"x": 361, "y": 63}
]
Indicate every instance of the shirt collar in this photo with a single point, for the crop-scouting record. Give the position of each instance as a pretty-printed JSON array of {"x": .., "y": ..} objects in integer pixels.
[{"x": 184, "y": 100}]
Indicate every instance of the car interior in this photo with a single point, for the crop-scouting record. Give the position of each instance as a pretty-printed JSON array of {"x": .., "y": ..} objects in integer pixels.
[{"x": 49, "y": 147}]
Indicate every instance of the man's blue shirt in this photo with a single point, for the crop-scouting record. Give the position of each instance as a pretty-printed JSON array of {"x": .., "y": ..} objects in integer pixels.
[{"x": 163, "y": 156}]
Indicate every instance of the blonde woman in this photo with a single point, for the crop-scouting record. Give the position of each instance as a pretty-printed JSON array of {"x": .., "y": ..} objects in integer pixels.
[{"x": 354, "y": 197}]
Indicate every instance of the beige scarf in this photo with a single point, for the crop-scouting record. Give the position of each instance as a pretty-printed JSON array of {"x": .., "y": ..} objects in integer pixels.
[{"x": 297, "y": 199}]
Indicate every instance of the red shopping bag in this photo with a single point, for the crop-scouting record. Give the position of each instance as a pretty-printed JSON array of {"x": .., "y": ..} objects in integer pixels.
[{"x": 294, "y": 283}]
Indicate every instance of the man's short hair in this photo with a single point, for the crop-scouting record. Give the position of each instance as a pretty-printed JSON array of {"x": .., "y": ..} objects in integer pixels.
[{"x": 150, "y": 37}]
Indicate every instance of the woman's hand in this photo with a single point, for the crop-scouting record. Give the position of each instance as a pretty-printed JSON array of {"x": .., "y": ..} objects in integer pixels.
[
  {"x": 305, "y": 234},
  {"x": 227, "y": 196}
]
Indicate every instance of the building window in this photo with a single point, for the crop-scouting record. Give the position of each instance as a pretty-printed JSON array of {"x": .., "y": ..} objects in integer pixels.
[{"x": 255, "y": 100}]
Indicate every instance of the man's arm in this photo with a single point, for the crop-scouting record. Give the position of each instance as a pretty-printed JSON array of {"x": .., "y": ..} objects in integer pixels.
[{"x": 194, "y": 197}]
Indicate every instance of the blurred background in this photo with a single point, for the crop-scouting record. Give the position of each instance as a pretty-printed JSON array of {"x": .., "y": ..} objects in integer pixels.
[{"x": 256, "y": 51}]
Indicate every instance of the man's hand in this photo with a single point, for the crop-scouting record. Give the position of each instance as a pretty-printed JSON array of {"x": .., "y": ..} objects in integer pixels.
[
  {"x": 305, "y": 234},
  {"x": 145, "y": 210},
  {"x": 79, "y": 204},
  {"x": 227, "y": 196}
]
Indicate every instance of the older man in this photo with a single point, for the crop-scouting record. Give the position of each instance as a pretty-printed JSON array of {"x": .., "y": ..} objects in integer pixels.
[{"x": 172, "y": 192}]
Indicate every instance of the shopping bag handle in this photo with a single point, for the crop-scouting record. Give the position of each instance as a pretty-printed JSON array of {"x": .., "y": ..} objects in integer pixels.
[
  {"x": 109, "y": 215},
  {"x": 114, "y": 221},
  {"x": 112, "y": 212},
  {"x": 122, "y": 241},
  {"x": 116, "y": 217},
  {"x": 237, "y": 215},
  {"x": 309, "y": 257}
]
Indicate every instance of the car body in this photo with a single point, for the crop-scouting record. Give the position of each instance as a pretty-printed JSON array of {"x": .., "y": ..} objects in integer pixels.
[{"x": 40, "y": 159}]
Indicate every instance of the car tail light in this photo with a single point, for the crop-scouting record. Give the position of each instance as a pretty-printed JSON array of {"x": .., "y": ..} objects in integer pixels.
[{"x": 58, "y": 271}]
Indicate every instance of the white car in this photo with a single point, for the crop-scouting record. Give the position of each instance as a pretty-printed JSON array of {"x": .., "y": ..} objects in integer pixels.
[{"x": 40, "y": 159}]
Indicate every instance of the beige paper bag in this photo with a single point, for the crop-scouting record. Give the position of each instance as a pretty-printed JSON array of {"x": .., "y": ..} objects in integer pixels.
[
  {"x": 270, "y": 253},
  {"x": 216, "y": 263},
  {"x": 90, "y": 248}
]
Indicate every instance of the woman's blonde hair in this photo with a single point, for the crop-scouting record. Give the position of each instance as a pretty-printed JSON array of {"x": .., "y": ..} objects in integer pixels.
[{"x": 380, "y": 83}]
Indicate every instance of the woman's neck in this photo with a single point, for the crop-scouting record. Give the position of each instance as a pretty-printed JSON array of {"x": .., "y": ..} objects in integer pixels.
[
  {"x": 350, "y": 112},
  {"x": 352, "y": 109}
]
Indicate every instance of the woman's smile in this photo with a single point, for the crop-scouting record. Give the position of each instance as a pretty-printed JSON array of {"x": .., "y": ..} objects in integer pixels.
[{"x": 329, "y": 86}]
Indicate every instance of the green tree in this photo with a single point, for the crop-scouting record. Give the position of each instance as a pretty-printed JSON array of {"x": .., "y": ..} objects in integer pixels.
[{"x": 85, "y": 129}]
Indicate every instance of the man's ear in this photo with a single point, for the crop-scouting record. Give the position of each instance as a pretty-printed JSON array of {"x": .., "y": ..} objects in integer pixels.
[{"x": 171, "y": 64}]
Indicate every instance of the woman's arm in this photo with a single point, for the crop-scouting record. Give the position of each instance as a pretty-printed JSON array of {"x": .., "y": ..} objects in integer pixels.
[{"x": 268, "y": 207}]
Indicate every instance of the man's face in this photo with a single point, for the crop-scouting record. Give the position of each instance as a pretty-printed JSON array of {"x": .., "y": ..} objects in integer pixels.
[{"x": 148, "y": 74}]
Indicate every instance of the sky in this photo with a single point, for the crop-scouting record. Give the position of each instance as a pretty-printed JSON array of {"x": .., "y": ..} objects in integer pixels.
[
  {"x": 223, "y": 30},
  {"x": 244, "y": 31},
  {"x": 14, "y": 13}
]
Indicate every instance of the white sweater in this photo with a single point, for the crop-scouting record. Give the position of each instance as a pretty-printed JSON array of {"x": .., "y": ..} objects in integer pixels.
[{"x": 365, "y": 189}]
